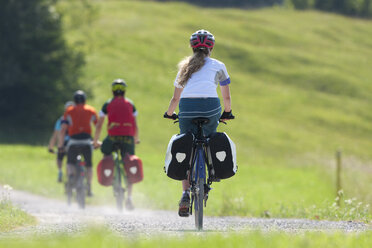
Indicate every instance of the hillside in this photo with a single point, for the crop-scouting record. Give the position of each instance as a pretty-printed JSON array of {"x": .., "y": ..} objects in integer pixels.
[{"x": 300, "y": 89}]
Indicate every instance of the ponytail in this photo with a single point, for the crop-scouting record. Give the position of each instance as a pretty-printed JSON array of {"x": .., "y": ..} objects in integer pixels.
[{"x": 191, "y": 64}]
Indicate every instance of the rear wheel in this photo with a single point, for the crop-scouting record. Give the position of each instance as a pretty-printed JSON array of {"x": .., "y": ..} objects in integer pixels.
[
  {"x": 119, "y": 195},
  {"x": 118, "y": 189},
  {"x": 198, "y": 205},
  {"x": 80, "y": 192},
  {"x": 69, "y": 186}
]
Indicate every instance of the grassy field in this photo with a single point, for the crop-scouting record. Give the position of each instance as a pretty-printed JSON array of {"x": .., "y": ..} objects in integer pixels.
[
  {"x": 12, "y": 217},
  {"x": 300, "y": 90},
  {"x": 103, "y": 239}
]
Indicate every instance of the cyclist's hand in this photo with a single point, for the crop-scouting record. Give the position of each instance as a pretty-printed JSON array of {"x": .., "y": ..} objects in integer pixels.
[
  {"x": 137, "y": 140},
  {"x": 227, "y": 116},
  {"x": 51, "y": 150},
  {"x": 174, "y": 116},
  {"x": 97, "y": 144}
]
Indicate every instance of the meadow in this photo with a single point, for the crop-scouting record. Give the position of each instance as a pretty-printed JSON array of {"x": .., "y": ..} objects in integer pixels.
[
  {"x": 300, "y": 89},
  {"x": 102, "y": 239}
]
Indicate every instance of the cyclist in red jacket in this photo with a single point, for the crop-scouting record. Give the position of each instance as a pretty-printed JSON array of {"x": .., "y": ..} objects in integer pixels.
[{"x": 122, "y": 127}]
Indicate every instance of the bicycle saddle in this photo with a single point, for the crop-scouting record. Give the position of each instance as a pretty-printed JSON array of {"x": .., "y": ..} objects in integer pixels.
[{"x": 200, "y": 120}]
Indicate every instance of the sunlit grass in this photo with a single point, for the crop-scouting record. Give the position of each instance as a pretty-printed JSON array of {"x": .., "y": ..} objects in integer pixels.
[
  {"x": 103, "y": 239},
  {"x": 12, "y": 217},
  {"x": 300, "y": 90}
]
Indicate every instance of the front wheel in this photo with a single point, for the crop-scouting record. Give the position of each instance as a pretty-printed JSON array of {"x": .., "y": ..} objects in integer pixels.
[{"x": 198, "y": 204}]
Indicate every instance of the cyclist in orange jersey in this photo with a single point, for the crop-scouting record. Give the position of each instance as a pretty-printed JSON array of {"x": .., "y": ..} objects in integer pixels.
[{"x": 78, "y": 120}]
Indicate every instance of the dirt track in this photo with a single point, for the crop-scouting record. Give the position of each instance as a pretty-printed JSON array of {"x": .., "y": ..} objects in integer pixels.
[{"x": 55, "y": 216}]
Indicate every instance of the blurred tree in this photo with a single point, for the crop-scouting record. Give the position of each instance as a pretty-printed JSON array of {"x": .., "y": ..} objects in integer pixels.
[
  {"x": 347, "y": 7},
  {"x": 38, "y": 71},
  {"x": 232, "y": 3}
]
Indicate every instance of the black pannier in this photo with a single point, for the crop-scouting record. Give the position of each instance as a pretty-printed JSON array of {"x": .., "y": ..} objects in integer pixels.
[
  {"x": 221, "y": 156},
  {"x": 178, "y": 157}
]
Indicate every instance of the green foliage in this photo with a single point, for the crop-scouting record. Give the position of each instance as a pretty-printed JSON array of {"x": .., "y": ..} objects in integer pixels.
[
  {"x": 348, "y": 7},
  {"x": 232, "y": 3},
  {"x": 300, "y": 90},
  {"x": 39, "y": 71}
]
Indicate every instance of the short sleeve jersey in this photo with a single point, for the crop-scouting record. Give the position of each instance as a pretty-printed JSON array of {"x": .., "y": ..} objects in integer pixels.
[
  {"x": 79, "y": 119},
  {"x": 204, "y": 82},
  {"x": 58, "y": 127},
  {"x": 121, "y": 114}
]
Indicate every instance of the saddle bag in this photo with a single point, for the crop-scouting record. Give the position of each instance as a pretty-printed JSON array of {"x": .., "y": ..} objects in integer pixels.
[
  {"x": 133, "y": 168},
  {"x": 105, "y": 171},
  {"x": 221, "y": 156},
  {"x": 178, "y": 156}
]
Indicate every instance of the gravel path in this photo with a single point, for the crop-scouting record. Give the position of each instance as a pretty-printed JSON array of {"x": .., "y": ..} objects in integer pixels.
[{"x": 55, "y": 216}]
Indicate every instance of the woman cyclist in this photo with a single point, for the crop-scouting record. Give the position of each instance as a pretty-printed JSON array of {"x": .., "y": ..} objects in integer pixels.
[{"x": 196, "y": 94}]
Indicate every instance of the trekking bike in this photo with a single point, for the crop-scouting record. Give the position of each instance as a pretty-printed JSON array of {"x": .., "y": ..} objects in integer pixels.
[
  {"x": 200, "y": 179},
  {"x": 77, "y": 182}
]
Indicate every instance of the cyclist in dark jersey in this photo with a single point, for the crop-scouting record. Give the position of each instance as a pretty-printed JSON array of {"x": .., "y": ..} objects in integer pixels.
[{"x": 122, "y": 127}]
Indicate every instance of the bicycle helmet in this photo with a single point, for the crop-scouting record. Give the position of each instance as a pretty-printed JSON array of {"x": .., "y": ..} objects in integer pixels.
[
  {"x": 119, "y": 86},
  {"x": 68, "y": 104},
  {"x": 79, "y": 97},
  {"x": 202, "y": 38}
]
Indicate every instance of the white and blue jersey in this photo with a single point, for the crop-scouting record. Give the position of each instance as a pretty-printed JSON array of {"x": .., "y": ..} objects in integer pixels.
[
  {"x": 204, "y": 82},
  {"x": 58, "y": 127},
  {"x": 199, "y": 96}
]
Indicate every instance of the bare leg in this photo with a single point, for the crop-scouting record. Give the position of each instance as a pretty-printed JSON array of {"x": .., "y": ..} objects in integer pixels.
[
  {"x": 59, "y": 164},
  {"x": 185, "y": 185}
]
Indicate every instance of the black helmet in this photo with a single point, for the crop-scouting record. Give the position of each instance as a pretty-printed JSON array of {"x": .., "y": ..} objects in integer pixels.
[
  {"x": 79, "y": 97},
  {"x": 119, "y": 86}
]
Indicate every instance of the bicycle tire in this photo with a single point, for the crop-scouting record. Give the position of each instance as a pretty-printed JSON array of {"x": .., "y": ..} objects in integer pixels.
[
  {"x": 119, "y": 199},
  {"x": 80, "y": 192},
  {"x": 198, "y": 205},
  {"x": 118, "y": 189},
  {"x": 199, "y": 190},
  {"x": 69, "y": 186}
]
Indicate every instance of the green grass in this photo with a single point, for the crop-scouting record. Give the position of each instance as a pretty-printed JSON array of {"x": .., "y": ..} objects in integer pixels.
[
  {"x": 12, "y": 217},
  {"x": 300, "y": 90},
  {"x": 103, "y": 239}
]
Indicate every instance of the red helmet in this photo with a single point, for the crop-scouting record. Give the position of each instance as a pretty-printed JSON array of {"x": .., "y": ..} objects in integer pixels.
[{"x": 202, "y": 38}]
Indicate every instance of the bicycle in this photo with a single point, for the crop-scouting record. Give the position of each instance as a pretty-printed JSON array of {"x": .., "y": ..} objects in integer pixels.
[
  {"x": 77, "y": 181},
  {"x": 197, "y": 173}
]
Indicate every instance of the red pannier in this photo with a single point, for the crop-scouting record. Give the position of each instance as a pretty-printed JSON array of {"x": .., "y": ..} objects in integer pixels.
[
  {"x": 133, "y": 168},
  {"x": 105, "y": 171}
]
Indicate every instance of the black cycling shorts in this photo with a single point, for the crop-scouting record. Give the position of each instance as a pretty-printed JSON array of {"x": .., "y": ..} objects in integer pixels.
[
  {"x": 124, "y": 143},
  {"x": 75, "y": 150}
]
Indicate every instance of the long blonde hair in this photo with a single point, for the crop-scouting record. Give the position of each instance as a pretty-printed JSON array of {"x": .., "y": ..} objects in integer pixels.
[{"x": 191, "y": 64}]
